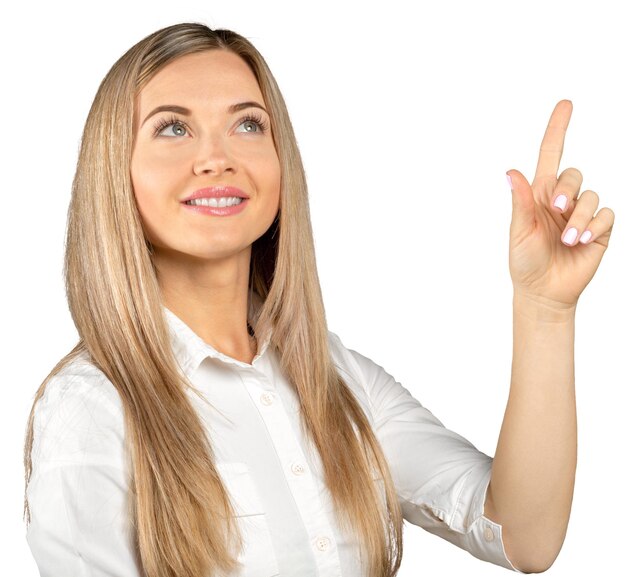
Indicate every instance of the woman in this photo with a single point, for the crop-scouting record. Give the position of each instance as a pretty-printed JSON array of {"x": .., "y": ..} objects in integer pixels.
[{"x": 207, "y": 422}]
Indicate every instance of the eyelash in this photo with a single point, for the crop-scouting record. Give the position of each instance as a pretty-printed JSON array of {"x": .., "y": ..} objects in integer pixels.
[
  {"x": 165, "y": 122},
  {"x": 255, "y": 118}
]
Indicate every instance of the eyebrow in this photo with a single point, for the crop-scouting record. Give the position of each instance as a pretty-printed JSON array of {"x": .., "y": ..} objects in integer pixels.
[{"x": 186, "y": 112}]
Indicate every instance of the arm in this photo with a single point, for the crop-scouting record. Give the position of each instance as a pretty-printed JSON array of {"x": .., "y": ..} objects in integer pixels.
[
  {"x": 440, "y": 477},
  {"x": 532, "y": 482},
  {"x": 78, "y": 493},
  {"x": 556, "y": 245}
]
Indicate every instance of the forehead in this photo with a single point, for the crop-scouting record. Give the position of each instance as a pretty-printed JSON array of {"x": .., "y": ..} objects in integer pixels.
[{"x": 210, "y": 77}]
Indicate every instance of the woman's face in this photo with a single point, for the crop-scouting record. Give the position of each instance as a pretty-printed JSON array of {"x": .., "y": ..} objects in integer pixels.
[{"x": 202, "y": 127}]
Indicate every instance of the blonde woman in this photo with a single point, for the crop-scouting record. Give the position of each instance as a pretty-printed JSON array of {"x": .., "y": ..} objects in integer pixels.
[{"x": 207, "y": 423}]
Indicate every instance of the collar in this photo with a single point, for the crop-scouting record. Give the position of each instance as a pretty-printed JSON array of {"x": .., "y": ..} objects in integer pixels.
[{"x": 190, "y": 350}]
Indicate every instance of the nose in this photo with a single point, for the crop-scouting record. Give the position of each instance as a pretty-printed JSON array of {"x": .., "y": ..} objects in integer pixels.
[{"x": 213, "y": 157}]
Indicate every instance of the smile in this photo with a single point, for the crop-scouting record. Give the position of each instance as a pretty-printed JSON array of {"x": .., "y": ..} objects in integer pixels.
[{"x": 215, "y": 202}]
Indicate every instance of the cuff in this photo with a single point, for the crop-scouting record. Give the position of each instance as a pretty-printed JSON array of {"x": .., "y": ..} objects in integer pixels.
[
  {"x": 484, "y": 536},
  {"x": 484, "y": 541}
]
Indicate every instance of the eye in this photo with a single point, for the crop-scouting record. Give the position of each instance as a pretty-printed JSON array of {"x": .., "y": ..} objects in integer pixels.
[
  {"x": 252, "y": 123},
  {"x": 177, "y": 130},
  {"x": 178, "y": 127}
]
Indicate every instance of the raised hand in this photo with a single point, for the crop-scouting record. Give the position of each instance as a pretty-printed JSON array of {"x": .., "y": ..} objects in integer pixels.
[{"x": 554, "y": 251}]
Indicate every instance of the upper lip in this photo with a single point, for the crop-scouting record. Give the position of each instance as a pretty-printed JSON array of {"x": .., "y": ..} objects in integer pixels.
[{"x": 216, "y": 192}]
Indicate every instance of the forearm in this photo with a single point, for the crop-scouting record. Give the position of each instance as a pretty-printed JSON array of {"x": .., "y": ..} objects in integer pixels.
[{"x": 532, "y": 482}]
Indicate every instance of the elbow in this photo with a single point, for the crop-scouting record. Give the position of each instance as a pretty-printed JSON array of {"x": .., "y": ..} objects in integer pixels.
[
  {"x": 533, "y": 563},
  {"x": 531, "y": 556},
  {"x": 532, "y": 567}
]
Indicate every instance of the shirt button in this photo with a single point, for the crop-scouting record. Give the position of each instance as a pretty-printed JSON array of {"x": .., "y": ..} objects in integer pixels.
[
  {"x": 297, "y": 469},
  {"x": 489, "y": 536},
  {"x": 267, "y": 399},
  {"x": 322, "y": 543}
]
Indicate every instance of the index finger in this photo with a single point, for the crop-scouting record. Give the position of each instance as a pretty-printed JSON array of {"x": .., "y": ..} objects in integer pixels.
[{"x": 553, "y": 140}]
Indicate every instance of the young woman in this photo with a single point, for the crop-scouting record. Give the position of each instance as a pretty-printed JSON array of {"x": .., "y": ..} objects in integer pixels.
[{"x": 207, "y": 423}]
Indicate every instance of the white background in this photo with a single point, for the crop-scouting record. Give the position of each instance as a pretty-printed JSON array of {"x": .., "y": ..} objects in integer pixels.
[{"x": 407, "y": 119}]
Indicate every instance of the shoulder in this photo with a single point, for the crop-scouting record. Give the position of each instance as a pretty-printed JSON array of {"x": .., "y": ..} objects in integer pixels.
[
  {"x": 78, "y": 418},
  {"x": 354, "y": 364},
  {"x": 80, "y": 380},
  {"x": 384, "y": 394},
  {"x": 366, "y": 378}
]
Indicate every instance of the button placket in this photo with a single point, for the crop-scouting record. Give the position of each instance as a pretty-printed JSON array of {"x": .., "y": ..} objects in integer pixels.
[{"x": 290, "y": 451}]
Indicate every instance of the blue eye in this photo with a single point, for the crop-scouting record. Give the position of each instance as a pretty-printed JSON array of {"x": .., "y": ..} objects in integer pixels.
[
  {"x": 179, "y": 128},
  {"x": 252, "y": 125},
  {"x": 250, "y": 120}
]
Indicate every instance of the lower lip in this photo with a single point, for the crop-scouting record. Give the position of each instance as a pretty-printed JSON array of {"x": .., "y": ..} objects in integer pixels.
[{"x": 217, "y": 210}]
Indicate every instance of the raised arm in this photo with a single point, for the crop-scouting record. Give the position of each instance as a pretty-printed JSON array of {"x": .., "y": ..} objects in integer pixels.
[{"x": 552, "y": 258}]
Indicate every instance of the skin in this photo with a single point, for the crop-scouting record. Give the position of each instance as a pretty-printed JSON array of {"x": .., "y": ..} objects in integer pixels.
[
  {"x": 532, "y": 483},
  {"x": 203, "y": 260}
]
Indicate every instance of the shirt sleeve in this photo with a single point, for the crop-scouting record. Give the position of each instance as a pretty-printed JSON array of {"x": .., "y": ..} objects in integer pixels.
[
  {"x": 77, "y": 493},
  {"x": 441, "y": 479}
]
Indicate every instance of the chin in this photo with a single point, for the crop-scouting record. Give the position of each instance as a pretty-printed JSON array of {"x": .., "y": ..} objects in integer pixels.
[{"x": 219, "y": 251}]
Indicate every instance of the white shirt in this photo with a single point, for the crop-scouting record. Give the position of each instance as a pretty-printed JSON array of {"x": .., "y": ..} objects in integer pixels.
[{"x": 80, "y": 480}]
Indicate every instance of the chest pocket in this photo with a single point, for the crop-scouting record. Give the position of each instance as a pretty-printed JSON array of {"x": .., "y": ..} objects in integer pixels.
[{"x": 257, "y": 557}]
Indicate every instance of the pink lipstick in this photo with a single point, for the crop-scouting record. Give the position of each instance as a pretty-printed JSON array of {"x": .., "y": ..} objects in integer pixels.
[{"x": 217, "y": 200}]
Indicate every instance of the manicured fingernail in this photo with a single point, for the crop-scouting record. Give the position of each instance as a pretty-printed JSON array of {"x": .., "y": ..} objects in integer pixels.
[
  {"x": 585, "y": 237},
  {"x": 561, "y": 202},
  {"x": 510, "y": 182},
  {"x": 570, "y": 236}
]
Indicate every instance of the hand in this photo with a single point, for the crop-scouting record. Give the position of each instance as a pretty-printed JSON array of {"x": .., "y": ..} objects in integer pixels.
[{"x": 545, "y": 263}]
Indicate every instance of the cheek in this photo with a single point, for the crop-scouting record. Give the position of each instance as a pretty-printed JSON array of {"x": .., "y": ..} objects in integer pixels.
[
  {"x": 273, "y": 179},
  {"x": 150, "y": 181},
  {"x": 152, "y": 176},
  {"x": 142, "y": 190}
]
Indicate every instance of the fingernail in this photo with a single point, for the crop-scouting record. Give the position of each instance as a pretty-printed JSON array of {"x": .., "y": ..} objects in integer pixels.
[
  {"x": 561, "y": 202},
  {"x": 570, "y": 236},
  {"x": 510, "y": 182},
  {"x": 585, "y": 237}
]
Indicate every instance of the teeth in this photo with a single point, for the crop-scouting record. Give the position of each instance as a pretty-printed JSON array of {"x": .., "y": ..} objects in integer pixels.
[{"x": 215, "y": 202}]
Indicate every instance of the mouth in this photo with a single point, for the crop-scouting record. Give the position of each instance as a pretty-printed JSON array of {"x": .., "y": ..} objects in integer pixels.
[
  {"x": 220, "y": 196},
  {"x": 215, "y": 202}
]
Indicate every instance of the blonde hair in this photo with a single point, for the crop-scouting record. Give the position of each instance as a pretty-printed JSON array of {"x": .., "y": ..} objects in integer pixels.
[{"x": 180, "y": 508}]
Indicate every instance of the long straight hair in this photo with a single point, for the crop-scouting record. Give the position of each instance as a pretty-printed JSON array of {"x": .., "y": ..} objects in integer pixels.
[{"x": 184, "y": 521}]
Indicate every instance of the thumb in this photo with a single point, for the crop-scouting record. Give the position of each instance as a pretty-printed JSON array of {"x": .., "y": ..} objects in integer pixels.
[{"x": 523, "y": 217}]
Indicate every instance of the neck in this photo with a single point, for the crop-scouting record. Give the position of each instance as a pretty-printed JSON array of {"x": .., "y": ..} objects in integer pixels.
[{"x": 211, "y": 297}]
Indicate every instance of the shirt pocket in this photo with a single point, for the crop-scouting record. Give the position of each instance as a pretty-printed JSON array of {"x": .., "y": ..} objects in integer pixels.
[{"x": 257, "y": 556}]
